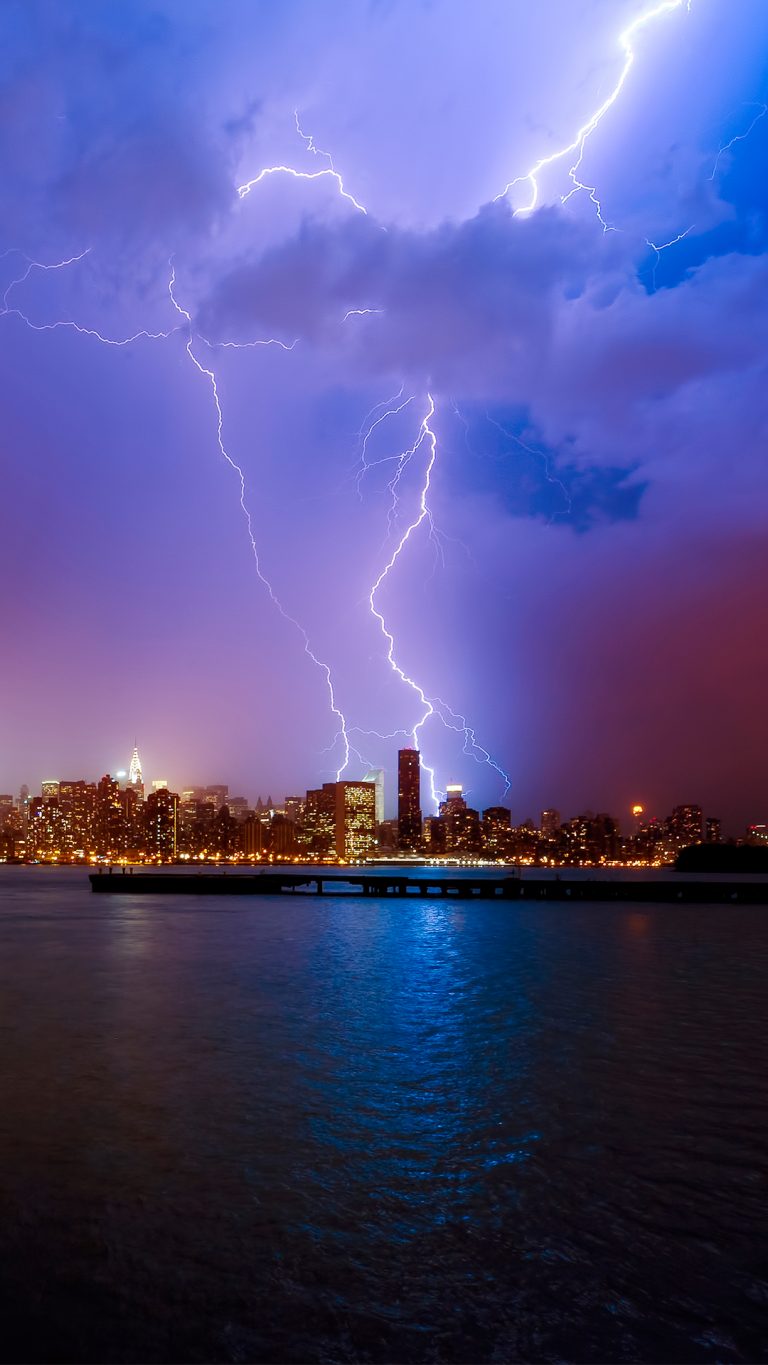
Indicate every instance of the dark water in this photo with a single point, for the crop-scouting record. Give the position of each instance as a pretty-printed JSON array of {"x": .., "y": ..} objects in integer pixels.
[{"x": 336, "y": 1131}]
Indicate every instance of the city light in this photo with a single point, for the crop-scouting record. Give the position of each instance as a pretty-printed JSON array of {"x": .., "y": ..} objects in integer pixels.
[{"x": 122, "y": 819}]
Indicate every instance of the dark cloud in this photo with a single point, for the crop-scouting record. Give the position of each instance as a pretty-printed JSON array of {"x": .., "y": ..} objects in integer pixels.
[{"x": 466, "y": 305}]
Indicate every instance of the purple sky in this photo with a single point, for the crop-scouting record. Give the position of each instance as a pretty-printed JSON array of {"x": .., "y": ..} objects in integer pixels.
[{"x": 587, "y": 590}]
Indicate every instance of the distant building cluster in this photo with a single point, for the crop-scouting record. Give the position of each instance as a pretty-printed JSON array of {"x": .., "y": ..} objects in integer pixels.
[{"x": 117, "y": 818}]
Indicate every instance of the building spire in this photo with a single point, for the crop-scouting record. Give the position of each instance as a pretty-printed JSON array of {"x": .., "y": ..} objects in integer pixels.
[{"x": 134, "y": 772}]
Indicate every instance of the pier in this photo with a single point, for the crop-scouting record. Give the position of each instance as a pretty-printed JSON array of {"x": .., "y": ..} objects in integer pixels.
[{"x": 441, "y": 886}]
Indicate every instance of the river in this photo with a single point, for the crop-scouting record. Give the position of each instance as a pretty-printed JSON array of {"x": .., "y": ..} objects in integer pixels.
[{"x": 333, "y": 1130}]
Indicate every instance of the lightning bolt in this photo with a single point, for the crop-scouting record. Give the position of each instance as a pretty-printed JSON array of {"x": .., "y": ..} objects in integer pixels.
[
  {"x": 328, "y": 172},
  {"x": 432, "y": 706},
  {"x": 425, "y": 434},
  {"x": 540, "y": 454},
  {"x": 659, "y": 247},
  {"x": 8, "y": 311},
  {"x": 579, "y": 142},
  {"x": 324, "y": 668},
  {"x": 739, "y": 136},
  {"x": 429, "y": 706},
  {"x": 360, "y": 313},
  {"x": 364, "y": 464},
  {"x": 247, "y": 345}
]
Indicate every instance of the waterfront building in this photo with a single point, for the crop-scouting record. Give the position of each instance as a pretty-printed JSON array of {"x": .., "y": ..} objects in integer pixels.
[
  {"x": 386, "y": 836},
  {"x": 133, "y": 828},
  {"x": 253, "y": 835},
  {"x": 355, "y": 820},
  {"x": 318, "y": 828},
  {"x": 293, "y": 807},
  {"x": 282, "y": 836},
  {"x": 160, "y": 822},
  {"x": 77, "y": 803},
  {"x": 237, "y": 807},
  {"x": 109, "y": 824},
  {"x": 550, "y": 823},
  {"x": 44, "y": 834},
  {"x": 376, "y": 776},
  {"x": 685, "y": 826},
  {"x": 496, "y": 831},
  {"x": 588, "y": 839},
  {"x": 461, "y": 823},
  {"x": 433, "y": 836},
  {"x": 196, "y": 832},
  {"x": 524, "y": 841},
  {"x": 408, "y": 799}
]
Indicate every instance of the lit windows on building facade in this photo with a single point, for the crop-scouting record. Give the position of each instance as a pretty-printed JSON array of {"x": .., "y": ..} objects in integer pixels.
[
  {"x": 408, "y": 799},
  {"x": 355, "y": 820}
]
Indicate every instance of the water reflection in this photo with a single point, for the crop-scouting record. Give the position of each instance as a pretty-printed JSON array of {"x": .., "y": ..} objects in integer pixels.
[{"x": 424, "y": 1131}]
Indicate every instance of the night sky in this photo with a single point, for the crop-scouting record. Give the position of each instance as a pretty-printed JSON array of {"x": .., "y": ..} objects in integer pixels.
[{"x": 587, "y": 589}]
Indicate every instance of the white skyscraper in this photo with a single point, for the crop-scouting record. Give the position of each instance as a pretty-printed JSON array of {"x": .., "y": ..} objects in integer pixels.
[
  {"x": 376, "y": 775},
  {"x": 134, "y": 772}
]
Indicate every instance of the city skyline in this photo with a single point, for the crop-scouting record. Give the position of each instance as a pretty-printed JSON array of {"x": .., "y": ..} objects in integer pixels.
[
  {"x": 260, "y": 787},
  {"x": 317, "y": 439},
  {"x": 401, "y": 804}
]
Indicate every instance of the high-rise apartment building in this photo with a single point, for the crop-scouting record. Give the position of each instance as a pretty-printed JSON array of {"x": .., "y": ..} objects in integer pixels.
[
  {"x": 160, "y": 822},
  {"x": 294, "y": 809},
  {"x": 109, "y": 828},
  {"x": 44, "y": 833},
  {"x": 433, "y": 835},
  {"x": 550, "y": 823},
  {"x": 253, "y": 836},
  {"x": 685, "y": 826},
  {"x": 77, "y": 803},
  {"x": 460, "y": 822},
  {"x": 355, "y": 819},
  {"x": 496, "y": 831},
  {"x": 282, "y": 836},
  {"x": 408, "y": 799},
  {"x": 318, "y": 828}
]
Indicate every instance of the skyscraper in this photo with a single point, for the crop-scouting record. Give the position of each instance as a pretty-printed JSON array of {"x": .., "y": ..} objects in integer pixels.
[
  {"x": 319, "y": 821},
  {"x": 408, "y": 798},
  {"x": 109, "y": 822},
  {"x": 160, "y": 822},
  {"x": 355, "y": 819},
  {"x": 134, "y": 772},
  {"x": 461, "y": 823},
  {"x": 376, "y": 776},
  {"x": 550, "y": 823},
  {"x": 497, "y": 831},
  {"x": 77, "y": 802},
  {"x": 685, "y": 826}
]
